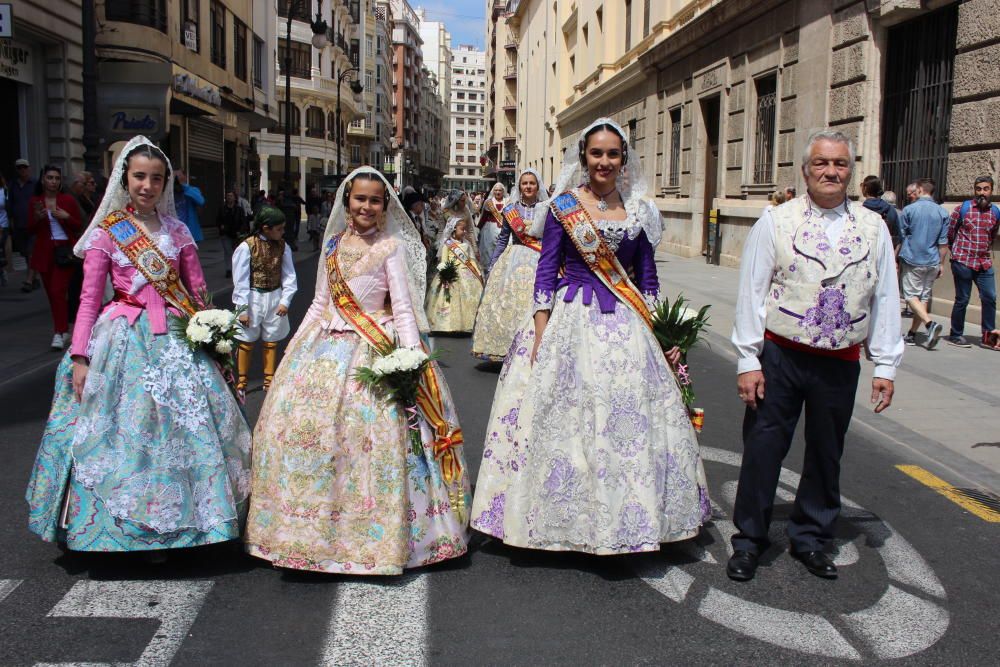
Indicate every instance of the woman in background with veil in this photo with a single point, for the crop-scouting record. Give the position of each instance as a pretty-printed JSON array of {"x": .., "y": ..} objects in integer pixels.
[
  {"x": 337, "y": 484},
  {"x": 509, "y": 288},
  {"x": 145, "y": 447},
  {"x": 490, "y": 223},
  {"x": 589, "y": 446}
]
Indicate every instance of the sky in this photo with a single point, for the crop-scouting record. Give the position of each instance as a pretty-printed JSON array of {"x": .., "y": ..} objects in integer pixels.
[{"x": 465, "y": 19}]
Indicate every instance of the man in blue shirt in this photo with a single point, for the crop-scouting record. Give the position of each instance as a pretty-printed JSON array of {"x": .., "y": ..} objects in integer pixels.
[
  {"x": 188, "y": 199},
  {"x": 923, "y": 228}
]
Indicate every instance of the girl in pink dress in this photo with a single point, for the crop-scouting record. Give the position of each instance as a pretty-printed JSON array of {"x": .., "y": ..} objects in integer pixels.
[
  {"x": 145, "y": 447},
  {"x": 337, "y": 485}
]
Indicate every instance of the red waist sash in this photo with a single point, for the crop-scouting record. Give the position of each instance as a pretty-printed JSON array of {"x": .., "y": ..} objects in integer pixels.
[{"x": 852, "y": 353}]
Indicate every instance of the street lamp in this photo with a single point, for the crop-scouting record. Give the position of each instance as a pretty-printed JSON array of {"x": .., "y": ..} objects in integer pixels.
[
  {"x": 319, "y": 41},
  {"x": 356, "y": 88}
]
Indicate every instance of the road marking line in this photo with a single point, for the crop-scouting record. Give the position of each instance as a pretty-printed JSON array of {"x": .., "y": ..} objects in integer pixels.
[
  {"x": 892, "y": 634},
  {"x": 174, "y": 603},
  {"x": 7, "y": 587},
  {"x": 379, "y": 623},
  {"x": 948, "y": 491}
]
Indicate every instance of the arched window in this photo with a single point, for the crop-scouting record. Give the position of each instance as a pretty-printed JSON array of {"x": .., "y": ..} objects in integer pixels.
[
  {"x": 314, "y": 123},
  {"x": 296, "y": 118}
]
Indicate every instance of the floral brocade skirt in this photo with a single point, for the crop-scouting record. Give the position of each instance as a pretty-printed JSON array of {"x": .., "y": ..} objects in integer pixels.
[
  {"x": 155, "y": 456},
  {"x": 591, "y": 449},
  {"x": 336, "y": 485},
  {"x": 453, "y": 309},
  {"x": 506, "y": 302}
]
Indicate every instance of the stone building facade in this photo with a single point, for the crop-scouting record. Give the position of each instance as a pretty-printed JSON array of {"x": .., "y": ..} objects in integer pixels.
[
  {"x": 720, "y": 96},
  {"x": 501, "y": 102},
  {"x": 40, "y": 85},
  {"x": 468, "y": 118}
]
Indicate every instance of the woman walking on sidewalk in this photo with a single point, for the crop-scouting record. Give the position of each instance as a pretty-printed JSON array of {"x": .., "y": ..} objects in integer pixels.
[
  {"x": 145, "y": 447},
  {"x": 55, "y": 222},
  {"x": 589, "y": 446}
]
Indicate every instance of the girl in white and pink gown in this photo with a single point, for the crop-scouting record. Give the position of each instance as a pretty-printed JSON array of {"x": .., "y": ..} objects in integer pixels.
[{"x": 336, "y": 484}]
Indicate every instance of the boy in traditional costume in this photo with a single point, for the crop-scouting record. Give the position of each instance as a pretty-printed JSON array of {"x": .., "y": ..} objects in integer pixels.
[{"x": 264, "y": 283}]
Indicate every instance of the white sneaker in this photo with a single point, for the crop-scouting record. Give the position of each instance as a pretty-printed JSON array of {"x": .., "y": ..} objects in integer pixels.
[{"x": 57, "y": 342}]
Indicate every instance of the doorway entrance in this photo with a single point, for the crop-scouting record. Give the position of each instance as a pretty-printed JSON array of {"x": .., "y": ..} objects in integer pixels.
[{"x": 710, "y": 111}]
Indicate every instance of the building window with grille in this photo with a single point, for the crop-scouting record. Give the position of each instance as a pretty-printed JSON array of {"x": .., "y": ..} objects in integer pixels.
[
  {"x": 283, "y": 117},
  {"x": 150, "y": 13},
  {"x": 258, "y": 62},
  {"x": 189, "y": 24},
  {"x": 378, "y": 102},
  {"x": 239, "y": 50},
  {"x": 217, "y": 20},
  {"x": 301, "y": 55},
  {"x": 355, "y": 154},
  {"x": 674, "y": 177},
  {"x": 378, "y": 74},
  {"x": 764, "y": 129}
]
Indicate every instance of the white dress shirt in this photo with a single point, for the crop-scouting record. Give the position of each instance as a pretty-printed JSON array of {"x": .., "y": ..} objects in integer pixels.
[
  {"x": 757, "y": 267},
  {"x": 241, "y": 276}
]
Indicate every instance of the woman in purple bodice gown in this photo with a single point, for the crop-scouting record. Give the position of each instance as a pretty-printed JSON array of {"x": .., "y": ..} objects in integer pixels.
[{"x": 589, "y": 446}]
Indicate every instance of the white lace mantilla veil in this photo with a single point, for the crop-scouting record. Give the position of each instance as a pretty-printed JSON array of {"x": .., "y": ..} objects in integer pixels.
[
  {"x": 397, "y": 225},
  {"x": 632, "y": 187},
  {"x": 117, "y": 198}
]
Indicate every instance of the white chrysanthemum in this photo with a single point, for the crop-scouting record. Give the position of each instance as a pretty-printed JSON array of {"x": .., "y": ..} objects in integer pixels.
[
  {"x": 224, "y": 347},
  {"x": 198, "y": 332}
]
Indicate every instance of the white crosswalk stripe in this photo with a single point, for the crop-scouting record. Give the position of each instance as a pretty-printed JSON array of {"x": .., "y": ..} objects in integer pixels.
[{"x": 379, "y": 623}]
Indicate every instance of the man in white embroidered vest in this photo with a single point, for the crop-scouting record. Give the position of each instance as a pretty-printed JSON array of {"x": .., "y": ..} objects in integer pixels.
[{"x": 817, "y": 281}]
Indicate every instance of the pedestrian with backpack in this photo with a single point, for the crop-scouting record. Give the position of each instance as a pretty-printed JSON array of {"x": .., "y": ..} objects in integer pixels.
[{"x": 971, "y": 234}]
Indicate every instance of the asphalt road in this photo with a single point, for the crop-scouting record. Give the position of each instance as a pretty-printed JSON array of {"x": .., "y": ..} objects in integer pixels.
[{"x": 917, "y": 584}]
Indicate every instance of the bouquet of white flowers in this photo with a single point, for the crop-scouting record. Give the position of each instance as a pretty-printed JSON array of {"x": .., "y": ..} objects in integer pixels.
[
  {"x": 396, "y": 374},
  {"x": 212, "y": 330}
]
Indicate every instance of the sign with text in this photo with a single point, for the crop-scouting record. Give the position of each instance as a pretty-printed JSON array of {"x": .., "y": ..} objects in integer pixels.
[
  {"x": 15, "y": 61},
  {"x": 134, "y": 121},
  {"x": 6, "y": 20}
]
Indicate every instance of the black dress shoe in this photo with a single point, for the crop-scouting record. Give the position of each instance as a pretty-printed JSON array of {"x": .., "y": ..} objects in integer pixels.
[
  {"x": 742, "y": 566},
  {"x": 818, "y": 563}
]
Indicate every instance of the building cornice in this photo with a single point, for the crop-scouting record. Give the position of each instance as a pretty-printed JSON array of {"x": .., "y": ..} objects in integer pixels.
[
  {"x": 624, "y": 79},
  {"x": 703, "y": 29}
]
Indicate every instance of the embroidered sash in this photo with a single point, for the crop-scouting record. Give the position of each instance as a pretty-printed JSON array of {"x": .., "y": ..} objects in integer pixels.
[
  {"x": 463, "y": 257},
  {"x": 491, "y": 207},
  {"x": 599, "y": 257},
  {"x": 430, "y": 402},
  {"x": 519, "y": 228},
  {"x": 147, "y": 259}
]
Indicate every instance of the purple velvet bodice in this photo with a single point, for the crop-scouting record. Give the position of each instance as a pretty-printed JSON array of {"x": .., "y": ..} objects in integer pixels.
[{"x": 634, "y": 252}]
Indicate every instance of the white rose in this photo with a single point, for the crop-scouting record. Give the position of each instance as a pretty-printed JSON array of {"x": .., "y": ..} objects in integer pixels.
[{"x": 224, "y": 347}]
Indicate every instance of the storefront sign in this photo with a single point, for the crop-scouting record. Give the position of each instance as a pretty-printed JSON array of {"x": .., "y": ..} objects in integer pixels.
[
  {"x": 134, "y": 121},
  {"x": 15, "y": 61},
  {"x": 507, "y": 164},
  {"x": 187, "y": 84},
  {"x": 6, "y": 20}
]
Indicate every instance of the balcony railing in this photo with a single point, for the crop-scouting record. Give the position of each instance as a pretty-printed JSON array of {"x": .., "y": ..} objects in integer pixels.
[
  {"x": 512, "y": 43},
  {"x": 510, "y": 104},
  {"x": 510, "y": 72}
]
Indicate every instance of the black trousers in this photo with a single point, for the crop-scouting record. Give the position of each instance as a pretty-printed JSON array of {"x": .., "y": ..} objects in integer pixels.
[{"x": 826, "y": 387}]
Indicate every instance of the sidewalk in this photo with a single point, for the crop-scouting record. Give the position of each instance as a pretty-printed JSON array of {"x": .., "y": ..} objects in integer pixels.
[
  {"x": 946, "y": 400},
  {"x": 26, "y": 326}
]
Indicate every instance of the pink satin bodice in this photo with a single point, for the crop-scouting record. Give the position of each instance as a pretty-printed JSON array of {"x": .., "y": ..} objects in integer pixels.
[
  {"x": 378, "y": 281},
  {"x": 102, "y": 257}
]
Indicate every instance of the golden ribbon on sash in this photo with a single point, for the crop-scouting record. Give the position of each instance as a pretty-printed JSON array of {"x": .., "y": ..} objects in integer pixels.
[
  {"x": 147, "y": 259},
  {"x": 429, "y": 399},
  {"x": 463, "y": 257},
  {"x": 491, "y": 208},
  {"x": 519, "y": 228},
  {"x": 599, "y": 257}
]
